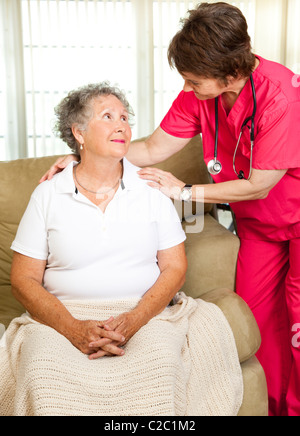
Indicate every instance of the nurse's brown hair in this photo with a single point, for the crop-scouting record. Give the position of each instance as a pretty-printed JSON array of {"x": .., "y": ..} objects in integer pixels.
[{"x": 213, "y": 43}]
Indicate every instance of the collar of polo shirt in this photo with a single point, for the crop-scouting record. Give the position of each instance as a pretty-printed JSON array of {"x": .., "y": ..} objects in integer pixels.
[{"x": 65, "y": 182}]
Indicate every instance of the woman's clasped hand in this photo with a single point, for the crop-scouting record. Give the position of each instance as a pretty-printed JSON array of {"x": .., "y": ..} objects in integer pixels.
[
  {"x": 112, "y": 334},
  {"x": 96, "y": 338},
  {"x": 104, "y": 338}
]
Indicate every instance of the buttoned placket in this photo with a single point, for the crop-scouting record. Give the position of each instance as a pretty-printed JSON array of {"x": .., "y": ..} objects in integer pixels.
[{"x": 104, "y": 217}]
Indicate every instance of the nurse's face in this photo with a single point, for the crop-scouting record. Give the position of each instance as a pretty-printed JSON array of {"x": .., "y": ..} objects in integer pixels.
[{"x": 203, "y": 88}]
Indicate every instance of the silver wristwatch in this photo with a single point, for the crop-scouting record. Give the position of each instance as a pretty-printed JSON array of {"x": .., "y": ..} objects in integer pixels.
[{"x": 186, "y": 193}]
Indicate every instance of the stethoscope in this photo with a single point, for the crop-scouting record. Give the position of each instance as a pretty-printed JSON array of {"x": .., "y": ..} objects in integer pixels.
[{"x": 214, "y": 166}]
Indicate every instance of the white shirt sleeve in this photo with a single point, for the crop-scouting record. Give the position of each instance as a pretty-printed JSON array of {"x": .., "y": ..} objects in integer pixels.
[
  {"x": 31, "y": 237},
  {"x": 170, "y": 231}
]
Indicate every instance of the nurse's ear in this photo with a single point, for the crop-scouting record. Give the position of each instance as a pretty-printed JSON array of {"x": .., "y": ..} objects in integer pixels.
[
  {"x": 235, "y": 84},
  {"x": 226, "y": 83},
  {"x": 230, "y": 80}
]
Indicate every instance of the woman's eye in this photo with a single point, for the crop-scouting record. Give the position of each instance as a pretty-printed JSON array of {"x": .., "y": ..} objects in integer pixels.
[
  {"x": 107, "y": 116},
  {"x": 124, "y": 119}
]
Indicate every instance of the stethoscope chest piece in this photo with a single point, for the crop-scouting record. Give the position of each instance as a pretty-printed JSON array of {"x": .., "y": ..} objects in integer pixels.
[{"x": 214, "y": 167}]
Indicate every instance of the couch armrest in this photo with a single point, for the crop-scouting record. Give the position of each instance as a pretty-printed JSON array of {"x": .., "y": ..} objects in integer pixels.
[
  {"x": 241, "y": 320},
  {"x": 255, "y": 401}
]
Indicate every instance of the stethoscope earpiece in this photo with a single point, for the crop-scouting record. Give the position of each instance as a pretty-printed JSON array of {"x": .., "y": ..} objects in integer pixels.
[{"x": 214, "y": 167}]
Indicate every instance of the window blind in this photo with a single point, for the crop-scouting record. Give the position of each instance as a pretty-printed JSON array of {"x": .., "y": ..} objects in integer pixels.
[
  {"x": 49, "y": 47},
  {"x": 67, "y": 44}
]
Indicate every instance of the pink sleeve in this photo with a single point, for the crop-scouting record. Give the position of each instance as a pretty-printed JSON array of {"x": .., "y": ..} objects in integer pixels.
[
  {"x": 183, "y": 120},
  {"x": 277, "y": 144}
]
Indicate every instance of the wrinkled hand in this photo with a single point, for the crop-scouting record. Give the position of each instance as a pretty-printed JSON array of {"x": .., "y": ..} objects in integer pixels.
[
  {"x": 83, "y": 333},
  {"x": 164, "y": 181},
  {"x": 60, "y": 164},
  {"x": 126, "y": 324}
]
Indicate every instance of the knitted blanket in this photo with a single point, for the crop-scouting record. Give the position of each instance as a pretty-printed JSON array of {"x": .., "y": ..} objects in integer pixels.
[{"x": 184, "y": 362}]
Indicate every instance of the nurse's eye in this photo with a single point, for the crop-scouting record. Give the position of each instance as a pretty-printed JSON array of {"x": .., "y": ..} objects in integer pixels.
[{"x": 194, "y": 83}]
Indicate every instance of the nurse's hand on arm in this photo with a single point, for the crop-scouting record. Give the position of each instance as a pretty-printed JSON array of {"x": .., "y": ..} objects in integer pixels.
[
  {"x": 173, "y": 266},
  {"x": 257, "y": 188},
  {"x": 157, "y": 148},
  {"x": 26, "y": 279}
]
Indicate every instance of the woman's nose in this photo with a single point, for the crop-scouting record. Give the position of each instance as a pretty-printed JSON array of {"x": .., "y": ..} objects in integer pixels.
[{"x": 120, "y": 128}]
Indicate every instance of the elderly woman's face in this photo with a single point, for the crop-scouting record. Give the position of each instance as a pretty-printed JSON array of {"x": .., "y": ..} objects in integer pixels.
[{"x": 108, "y": 133}]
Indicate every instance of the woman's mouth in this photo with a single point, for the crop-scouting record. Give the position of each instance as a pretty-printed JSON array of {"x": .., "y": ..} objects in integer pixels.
[{"x": 120, "y": 141}]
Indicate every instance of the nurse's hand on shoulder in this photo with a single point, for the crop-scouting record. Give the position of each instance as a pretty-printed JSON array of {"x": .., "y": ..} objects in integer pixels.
[
  {"x": 163, "y": 181},
  {"x": 60, "y": 164}
]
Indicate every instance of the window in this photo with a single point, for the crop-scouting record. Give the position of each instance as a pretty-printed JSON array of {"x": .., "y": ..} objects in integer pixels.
[
  {"x": 49, "y": 47},
  {"x": 166, "y": 22},
  {"x": 67, "y": 44},
  {"x": 167, "y": 82}
]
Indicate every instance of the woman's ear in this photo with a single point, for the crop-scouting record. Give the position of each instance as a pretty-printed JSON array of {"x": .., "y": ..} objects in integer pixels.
[{"x": 78, "y": 134}]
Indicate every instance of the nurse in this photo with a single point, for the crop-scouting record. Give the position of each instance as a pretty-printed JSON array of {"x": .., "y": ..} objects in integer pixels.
[{"x": 232, "y": 97}]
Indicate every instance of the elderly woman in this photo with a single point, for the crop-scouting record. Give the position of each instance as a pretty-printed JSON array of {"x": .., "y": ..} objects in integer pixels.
[
  {"x": 98, "y": 256},
  {"x": 74, "y": 241}
]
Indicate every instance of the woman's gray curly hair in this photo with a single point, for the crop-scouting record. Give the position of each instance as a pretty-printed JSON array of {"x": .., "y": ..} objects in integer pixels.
[{"x": 76, "y": 108}]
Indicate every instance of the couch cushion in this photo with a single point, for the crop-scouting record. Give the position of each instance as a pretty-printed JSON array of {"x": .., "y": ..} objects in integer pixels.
[
  {"x": 212, "y": 256},
  {"x": 18, "y": 179},
  {"x": 9, "y": 306}
]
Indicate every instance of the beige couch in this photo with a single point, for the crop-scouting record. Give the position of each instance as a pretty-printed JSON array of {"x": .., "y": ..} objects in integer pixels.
[{"x": 211, "y": 253}]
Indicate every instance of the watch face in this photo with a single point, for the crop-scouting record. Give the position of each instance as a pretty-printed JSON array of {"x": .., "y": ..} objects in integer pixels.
[{"x": 185, "y": 194}]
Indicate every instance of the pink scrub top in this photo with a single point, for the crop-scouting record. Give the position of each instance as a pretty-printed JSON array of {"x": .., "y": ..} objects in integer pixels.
[{"x": 276, "y": 146}]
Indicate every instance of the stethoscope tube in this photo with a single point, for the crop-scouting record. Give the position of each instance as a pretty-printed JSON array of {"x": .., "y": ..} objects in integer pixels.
[{"x": 214, "y": 166}]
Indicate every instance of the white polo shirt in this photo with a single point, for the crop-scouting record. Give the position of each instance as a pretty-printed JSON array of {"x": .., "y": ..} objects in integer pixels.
[{"x": 91, "y": 254}]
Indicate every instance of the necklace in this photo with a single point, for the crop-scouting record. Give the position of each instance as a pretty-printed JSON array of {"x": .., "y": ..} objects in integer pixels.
[{"x": 95, "y": 192}]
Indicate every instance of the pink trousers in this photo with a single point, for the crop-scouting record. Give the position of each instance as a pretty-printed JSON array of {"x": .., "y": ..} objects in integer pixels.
[{"x": 268, "y": 279}]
